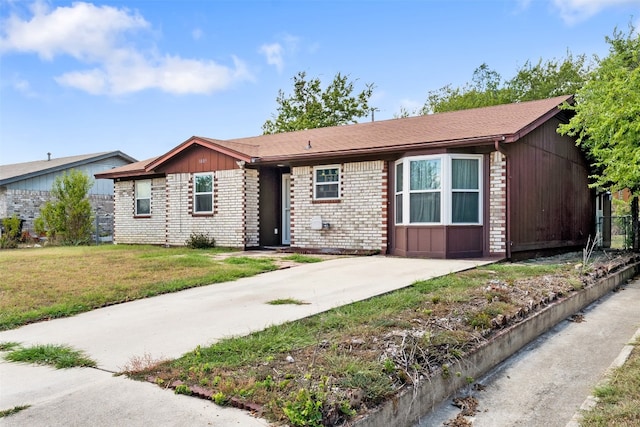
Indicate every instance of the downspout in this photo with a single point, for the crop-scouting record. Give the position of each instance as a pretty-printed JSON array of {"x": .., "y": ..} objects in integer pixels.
[{"x": 507, "y": 236}]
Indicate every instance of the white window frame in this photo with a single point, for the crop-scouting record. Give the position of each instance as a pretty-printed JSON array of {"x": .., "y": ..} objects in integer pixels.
[
  {"x": 202, "y": 193},
  {"x": 317, "y": 184},
  {"x": 398, "y": 192},
  {"x": 136, "y": 197},
  {"x": 446, "y": 190}
]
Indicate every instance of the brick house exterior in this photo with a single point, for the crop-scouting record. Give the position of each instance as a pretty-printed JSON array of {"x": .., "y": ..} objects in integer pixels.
[
  {"x": 25, "y": 187},
  {"x": 470, "y": 183}
]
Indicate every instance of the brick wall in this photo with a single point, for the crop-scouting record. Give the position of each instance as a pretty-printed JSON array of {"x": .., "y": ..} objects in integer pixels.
[
  {"x": 26, "y": 204},
  {"x": 357, "y": 221},
  {"x": 129, "y": 229},
  {"x": 497, "y": 204},
  {"x": 171, "y": 221}
]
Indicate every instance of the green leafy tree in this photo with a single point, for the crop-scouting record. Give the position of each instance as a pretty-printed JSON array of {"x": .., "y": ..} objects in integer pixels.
[
  {"x": 483, "y": 91},
  {"x": 545, "y": 79},
  {"x": 607, "y": 119},
  {"x": 68, "y": 218},
  {"x": 312, "y": 107}
]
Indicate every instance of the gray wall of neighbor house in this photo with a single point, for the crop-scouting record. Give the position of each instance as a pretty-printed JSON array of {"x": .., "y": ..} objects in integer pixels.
[
  {"x": 24, "y": 198},
  {"x": 26, "y": 204},
  {"x": 45, "y": 182}
]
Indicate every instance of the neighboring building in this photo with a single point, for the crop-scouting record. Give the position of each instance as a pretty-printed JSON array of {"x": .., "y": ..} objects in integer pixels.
[
  {"x": 25, "y": 187},
  {"x": 496, "y": 181}
]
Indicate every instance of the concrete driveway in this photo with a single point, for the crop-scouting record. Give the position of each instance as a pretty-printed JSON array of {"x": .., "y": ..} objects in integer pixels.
[{"x": 169, "y": 325}]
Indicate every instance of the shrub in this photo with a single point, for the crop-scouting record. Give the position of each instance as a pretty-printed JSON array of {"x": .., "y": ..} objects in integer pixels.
[
  {"x": 12, "y": 227},
  {"x": 68, "y": 218},
  {"x": 200, "y": 241}
]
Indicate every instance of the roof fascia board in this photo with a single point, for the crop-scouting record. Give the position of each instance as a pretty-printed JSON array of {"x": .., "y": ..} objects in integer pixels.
[
  {"x": 470, "y": 142},
  {"x": 532, "y": 126}
]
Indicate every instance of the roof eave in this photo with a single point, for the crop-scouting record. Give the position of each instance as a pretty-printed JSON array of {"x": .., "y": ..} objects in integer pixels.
[{"x": 466, "y": 142}]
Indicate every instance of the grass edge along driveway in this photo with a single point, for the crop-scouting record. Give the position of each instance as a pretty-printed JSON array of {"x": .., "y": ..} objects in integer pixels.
[{"x": 45, "y": 283}]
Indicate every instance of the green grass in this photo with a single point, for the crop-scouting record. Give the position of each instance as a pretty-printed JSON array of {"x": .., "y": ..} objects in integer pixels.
[
  {"x": 13, "y": 410},
  {"x": 46, "y": 283},
  {"x": 58, "y": 356},
  {"x": 619, "y": 398},
  {"x": 8, "y": 345},
  {"x": 286, "y": 301},
  {"x": 302, "y": 258}
]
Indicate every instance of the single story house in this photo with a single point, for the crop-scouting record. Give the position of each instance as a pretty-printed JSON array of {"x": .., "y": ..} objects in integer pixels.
[
  {"x": 25, "y": 187},
  {"x": 495, "y": 181}
]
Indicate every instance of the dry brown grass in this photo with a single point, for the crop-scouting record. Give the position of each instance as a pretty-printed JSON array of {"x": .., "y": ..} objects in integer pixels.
[{"x": 42, "y": 283}]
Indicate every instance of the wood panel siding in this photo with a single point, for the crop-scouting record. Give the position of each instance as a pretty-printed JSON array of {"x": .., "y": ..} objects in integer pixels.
[
  {"x": 198, "y": 159},
  {"x": 416, "y": 241},
  {"x": 550, "y": 205},
  {"x": 465, "y": 241}
]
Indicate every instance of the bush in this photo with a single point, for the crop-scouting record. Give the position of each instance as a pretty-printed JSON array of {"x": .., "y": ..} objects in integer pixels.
[
  {"x": 68, "y": 218},
  {"x": 200, "y": 241},
  {"x": 12, "y": 229}
]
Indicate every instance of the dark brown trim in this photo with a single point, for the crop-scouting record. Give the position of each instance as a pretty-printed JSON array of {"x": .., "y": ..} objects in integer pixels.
[{"x": 320, "y": 201}]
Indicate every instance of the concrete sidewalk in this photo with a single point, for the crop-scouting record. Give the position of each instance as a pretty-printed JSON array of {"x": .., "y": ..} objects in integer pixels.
[
  {"x": 545, "y": 383},
  {"x": 169, "y": 325}
]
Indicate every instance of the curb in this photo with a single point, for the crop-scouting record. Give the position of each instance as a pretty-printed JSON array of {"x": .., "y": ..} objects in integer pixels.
[{"x": 591, "y": 400}]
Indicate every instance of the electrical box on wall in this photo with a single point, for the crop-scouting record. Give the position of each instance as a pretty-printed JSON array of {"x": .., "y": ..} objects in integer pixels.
[{"x": 316, "y": 223}]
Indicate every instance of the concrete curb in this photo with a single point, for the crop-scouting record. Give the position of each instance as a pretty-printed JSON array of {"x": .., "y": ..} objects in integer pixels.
[
  {"x": 407, "y": 409},
  {"x": 591, "y": 400}
]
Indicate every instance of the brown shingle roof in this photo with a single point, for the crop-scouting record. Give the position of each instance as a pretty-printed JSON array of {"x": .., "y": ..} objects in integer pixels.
[
  {"x": 507, "y": 123},
  {"x": 465, "y": 127}
]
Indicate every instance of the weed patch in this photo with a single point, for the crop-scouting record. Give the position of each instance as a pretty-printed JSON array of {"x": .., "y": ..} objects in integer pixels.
[
  {"x": 8, "y": 345},
  {"x": 58, "y": 356},
  {"x": 300, "y": 258},
  {"x": 13, "y": 410},
  {"x": 286, "y": 301}
]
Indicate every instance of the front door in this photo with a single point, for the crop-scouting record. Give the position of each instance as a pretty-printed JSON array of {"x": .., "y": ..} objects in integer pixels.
[{"x": 286, "y": 209}]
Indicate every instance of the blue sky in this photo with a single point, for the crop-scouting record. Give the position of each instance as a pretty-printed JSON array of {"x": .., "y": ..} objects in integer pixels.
[{"x": 144, "y": 76}]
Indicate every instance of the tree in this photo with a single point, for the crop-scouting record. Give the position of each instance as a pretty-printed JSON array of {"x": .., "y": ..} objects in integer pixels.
[
  {"x": 68, "y": 219},
  {"x": 548, "y": 79},
  {"x": 542, "y": 80},
  {"x": 607, "y": 119},
  {"x": 310, "y": 107},
  {"x": 483, "y": 91}
]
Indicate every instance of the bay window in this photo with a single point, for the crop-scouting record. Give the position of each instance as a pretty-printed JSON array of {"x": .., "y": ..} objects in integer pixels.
[{"x": 441, "y": 189}]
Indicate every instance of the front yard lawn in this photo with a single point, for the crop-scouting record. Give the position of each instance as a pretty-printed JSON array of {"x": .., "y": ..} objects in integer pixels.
[{"x": 45, "y": 283}]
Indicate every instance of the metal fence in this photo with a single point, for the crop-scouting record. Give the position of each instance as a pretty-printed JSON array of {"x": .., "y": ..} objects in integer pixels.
[{"x": 615, "y": 232}]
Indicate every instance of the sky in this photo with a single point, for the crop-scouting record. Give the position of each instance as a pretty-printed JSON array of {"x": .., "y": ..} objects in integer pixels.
[{"x": 143, "y": 76}]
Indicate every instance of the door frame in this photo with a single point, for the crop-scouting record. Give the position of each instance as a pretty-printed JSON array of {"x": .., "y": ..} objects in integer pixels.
[{"x": 285, "y": 207}]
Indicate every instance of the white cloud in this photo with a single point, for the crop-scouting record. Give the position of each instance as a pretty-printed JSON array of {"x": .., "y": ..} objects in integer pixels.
[
  {"x": 573, "y": 11},
  {"x": 274, "y": 53},
  {"x": 94, "y": 36},
  {"x": 23, "y": 86},
  {"x": 83, "y": 31},
  {"x": 197, "y": 33}
]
